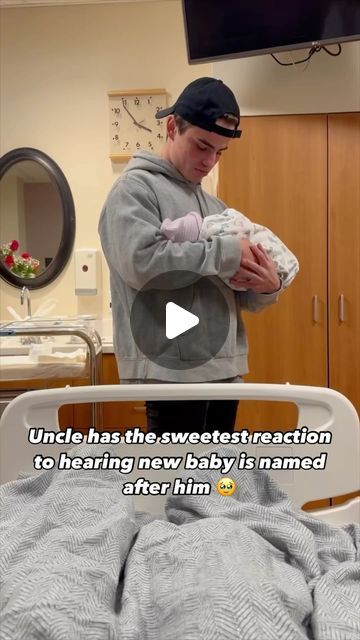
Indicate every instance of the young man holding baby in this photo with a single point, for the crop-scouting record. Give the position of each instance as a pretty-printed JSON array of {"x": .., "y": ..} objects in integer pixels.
[{"x": 200, "y": 125}]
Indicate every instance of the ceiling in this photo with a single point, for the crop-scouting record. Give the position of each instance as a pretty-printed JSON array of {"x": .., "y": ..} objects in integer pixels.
[{"x": 44, "y": 3}]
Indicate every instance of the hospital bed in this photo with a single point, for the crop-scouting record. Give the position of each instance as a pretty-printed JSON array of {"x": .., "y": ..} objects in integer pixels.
[
  {"x": 79, "y": 559},
  {"x": 319, "y": 409}
]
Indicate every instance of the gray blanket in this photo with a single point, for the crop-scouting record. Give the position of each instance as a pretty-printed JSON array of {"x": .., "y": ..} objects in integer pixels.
[{"x": 78, "y": 563}]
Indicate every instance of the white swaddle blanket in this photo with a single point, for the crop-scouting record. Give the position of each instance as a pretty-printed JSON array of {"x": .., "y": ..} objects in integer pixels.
[{"x": 192, "y": 227}]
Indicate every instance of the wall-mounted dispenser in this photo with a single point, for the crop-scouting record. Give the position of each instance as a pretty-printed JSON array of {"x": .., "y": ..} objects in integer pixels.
[{"x": 87, "y": 272}]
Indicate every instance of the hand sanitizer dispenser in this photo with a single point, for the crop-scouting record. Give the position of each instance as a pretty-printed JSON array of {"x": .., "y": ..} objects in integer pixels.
[{"x": 87, "y": 272}]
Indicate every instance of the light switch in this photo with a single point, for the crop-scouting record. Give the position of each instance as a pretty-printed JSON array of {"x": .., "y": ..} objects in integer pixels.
[{"x": 87, "y": 272}]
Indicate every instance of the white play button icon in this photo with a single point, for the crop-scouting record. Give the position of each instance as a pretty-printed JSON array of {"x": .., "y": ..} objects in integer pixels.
[
  {"x": 165, "y": 331},
  {"x": 178, "y": 320}
]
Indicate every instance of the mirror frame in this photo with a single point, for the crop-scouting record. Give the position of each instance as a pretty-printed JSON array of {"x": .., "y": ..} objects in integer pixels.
[{"x": 63, "y": 254}]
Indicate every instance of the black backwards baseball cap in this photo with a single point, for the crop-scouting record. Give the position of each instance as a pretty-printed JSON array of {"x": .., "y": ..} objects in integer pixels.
[{"x": 202, "y": 102}]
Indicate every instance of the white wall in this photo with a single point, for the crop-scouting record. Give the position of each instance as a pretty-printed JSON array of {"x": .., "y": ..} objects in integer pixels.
[
  {"x": 57, "y": 65},
  {"x": 327, "y": 84}
]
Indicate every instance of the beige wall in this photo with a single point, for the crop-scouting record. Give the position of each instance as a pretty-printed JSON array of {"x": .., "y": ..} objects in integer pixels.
[
  {"x": 57, "y": 65},
  {"x": 326, "y": 84}
]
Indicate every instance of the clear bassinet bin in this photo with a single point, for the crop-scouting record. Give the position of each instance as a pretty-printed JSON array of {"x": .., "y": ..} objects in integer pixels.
[{"x": 48, "y": 349}]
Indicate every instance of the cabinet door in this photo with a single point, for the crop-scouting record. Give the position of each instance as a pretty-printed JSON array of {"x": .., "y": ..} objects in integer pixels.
[
  {"x": 120, "y": 415},
  {"x": 13, "y": 388},
  {"x": 276, "y": 174},
  {"x": 344, "y": 254}
]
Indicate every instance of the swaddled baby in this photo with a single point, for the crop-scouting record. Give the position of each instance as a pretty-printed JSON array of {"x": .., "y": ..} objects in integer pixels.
[{"x": 192, "y": 227}]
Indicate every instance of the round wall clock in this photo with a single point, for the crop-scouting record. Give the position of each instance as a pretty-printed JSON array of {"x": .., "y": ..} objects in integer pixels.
[{"x": 133, "y": 125}]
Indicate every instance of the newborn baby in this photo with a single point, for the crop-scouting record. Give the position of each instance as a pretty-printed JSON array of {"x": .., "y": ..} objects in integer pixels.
[{"x": 192, "y": 227}]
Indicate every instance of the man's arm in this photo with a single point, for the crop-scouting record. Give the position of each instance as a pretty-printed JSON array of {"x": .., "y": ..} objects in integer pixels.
[{"x": 134, "y": 247}]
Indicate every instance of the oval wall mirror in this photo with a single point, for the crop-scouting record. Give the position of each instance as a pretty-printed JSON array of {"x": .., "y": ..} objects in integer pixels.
[{"x": 37, "y": 228}]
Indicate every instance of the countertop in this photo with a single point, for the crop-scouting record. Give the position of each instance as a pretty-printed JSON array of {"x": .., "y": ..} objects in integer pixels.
[
  {"x": 104, "y": 328},
  {"x": 107, "y": 344}
]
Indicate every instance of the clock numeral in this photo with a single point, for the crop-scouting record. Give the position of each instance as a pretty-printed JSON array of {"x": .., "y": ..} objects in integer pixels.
[
  {"x": 150, "y": 145},
  {"x": 116, "y": 138},
  {"x": 138, "y": 145},
  {"x": 149, "y": 99},
  {"x": 160, "y": 136},
  {"x": 116, "y": 124},
  {"x": 124, "y": 101},
  {"x": 116, "y": 110},
  {"x": 126, "y": 146},
  {"x": 137, "y": 101},
  {"x": 159, "y": 124}
]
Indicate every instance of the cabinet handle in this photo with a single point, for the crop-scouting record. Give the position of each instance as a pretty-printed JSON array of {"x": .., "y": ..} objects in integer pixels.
[
  {"x": 315, "y": 302},
  {"x": 342, "y": 307}
]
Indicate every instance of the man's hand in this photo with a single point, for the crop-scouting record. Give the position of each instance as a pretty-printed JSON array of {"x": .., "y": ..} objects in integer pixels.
[
  {"x": 246, "y": 253},
  {"x": 257, "y": 271}
]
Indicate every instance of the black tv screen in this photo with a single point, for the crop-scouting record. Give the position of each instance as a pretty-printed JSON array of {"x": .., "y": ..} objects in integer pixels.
[{"x": 220, "y": 29}]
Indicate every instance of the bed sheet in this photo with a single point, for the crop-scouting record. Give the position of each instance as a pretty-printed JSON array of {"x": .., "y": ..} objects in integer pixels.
[{"x": 77, "y": 561}]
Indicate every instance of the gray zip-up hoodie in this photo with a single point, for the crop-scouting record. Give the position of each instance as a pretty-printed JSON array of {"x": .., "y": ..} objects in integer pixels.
[{"x": 150, "y": 190}]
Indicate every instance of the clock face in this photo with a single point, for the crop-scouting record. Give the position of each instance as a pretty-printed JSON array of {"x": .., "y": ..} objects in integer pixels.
[{"x": 133, "y": 125}]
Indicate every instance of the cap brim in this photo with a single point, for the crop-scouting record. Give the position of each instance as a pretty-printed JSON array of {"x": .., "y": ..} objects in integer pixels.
[{"x": 164, "y": 112}]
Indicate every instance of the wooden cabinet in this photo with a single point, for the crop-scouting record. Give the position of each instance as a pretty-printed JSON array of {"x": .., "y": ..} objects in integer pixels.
[
  {"x": 114, "y": 415},
  {"x": 299, "y": 175},
  {"x": 77, "y": 416},
  {"x": 344, "y": 255},
  {"x": 120, "y": 415}
]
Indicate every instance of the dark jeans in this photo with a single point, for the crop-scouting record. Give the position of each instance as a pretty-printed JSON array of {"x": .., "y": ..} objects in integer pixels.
[{"x": 189, "y": 416}]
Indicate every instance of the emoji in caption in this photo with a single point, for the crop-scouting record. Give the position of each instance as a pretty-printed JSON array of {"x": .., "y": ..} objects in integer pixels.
[{"x": 226, "y": 486}]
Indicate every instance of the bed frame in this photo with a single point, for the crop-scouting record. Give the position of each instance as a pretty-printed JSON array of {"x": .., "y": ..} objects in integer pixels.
[{"x": 319, "y": 409}]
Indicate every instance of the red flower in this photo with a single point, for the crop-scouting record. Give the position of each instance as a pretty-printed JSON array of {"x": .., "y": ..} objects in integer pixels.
[
  {"x": 25, "y": 255},
  {"x": 14, "y": 245},
  {"x": 9, "y": 261}
]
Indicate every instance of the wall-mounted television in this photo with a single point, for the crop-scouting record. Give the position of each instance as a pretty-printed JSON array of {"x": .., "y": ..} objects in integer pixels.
[{"x": 220, "y": 29}]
